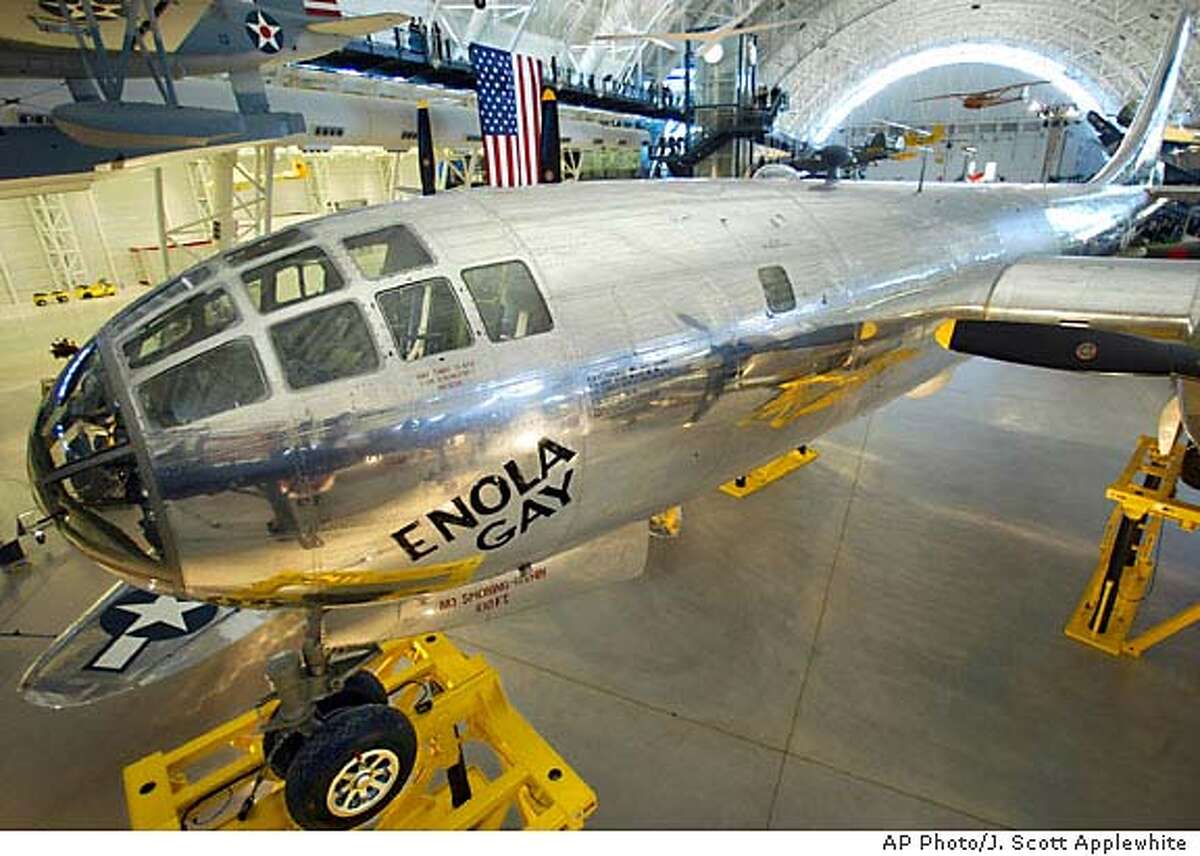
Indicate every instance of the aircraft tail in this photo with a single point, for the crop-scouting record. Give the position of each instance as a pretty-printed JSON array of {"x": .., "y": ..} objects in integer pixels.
[{"x": 1135, "y": 159}]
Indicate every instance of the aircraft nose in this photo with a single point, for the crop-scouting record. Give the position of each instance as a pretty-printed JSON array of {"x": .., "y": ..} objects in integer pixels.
[{"x": 85, "y": 470}]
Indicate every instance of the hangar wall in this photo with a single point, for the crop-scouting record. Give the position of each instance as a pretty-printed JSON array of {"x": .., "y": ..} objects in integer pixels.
[
  {"x": 1013, "y": 135},
  {"x": 110, "y": 230}
]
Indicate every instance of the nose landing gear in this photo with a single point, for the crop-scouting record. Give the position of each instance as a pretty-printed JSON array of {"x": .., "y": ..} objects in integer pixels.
[{"x": 359, "y": 739}]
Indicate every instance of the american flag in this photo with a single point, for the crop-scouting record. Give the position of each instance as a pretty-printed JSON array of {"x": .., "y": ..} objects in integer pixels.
[
  {"x": 508, "y": 87},
  {"x": 322, "y": 8}
]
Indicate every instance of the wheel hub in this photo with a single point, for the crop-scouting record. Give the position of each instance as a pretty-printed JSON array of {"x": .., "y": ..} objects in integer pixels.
[{"x": 363, "y": 782}]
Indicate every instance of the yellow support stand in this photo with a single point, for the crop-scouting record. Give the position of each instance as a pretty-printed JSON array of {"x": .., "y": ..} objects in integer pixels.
[
  {"x": 758, "y": 478},
  {"x": 1145, "y": 497},
  {"x": 204, "y": 783}
]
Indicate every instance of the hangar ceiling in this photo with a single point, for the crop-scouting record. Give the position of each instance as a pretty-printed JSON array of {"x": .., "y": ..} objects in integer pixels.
[{"x": 1112, "y": 43}]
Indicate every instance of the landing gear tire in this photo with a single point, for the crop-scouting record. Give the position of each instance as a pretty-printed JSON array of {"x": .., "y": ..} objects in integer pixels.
[
  {"x": 351, "y": 768},
  {"x": 361, "y": 688},
  {"x": 1189, "y": 473}
]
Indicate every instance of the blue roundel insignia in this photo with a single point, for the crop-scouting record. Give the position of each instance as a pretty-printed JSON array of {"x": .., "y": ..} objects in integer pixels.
[
  {"x": 138, "y": 618},
  {"x": 264, "y": 31}
]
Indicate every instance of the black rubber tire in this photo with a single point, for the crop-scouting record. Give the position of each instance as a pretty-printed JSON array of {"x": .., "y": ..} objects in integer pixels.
[
  {"x": 280, "y": 749},
  {"x": 360, "y": 688},
  {"x": 338, "y": 741},
  {"x": 1189, "y": 473}
]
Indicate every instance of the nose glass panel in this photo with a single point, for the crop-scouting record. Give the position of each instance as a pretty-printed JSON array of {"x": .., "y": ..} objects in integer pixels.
[{"x": 86, "y": 473}]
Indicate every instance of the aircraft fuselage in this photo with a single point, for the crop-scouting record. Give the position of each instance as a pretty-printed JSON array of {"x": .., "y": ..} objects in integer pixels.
[{"x": 657, "y": 371}]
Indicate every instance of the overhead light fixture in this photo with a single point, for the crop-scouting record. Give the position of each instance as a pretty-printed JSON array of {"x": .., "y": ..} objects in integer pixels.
[{"x": 714, "y": 54}]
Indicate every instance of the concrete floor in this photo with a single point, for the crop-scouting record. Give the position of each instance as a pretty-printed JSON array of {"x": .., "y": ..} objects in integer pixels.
[{"x": 874, "y": 642}]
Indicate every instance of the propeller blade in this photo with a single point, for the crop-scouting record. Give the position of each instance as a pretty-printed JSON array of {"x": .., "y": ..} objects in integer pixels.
[{"x": 1080, "y": 349}]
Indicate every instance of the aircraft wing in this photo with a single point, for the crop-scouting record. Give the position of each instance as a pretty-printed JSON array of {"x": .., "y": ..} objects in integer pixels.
[
  {"x": 947, "y": 95},
  {"x": 1112, "y": 315},
  {"x": 127, "y": 639},
  {"x": 1000, "y": 90},
  {"x": 360, "y": 25},
  {"x": 40, "y": 23}
]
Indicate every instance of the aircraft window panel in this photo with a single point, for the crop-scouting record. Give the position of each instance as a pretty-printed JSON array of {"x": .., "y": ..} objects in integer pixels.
[
  {"x": 185, "y": 324},
  {"x": 301, "y": 276},
  {"x": 509, "y": 301},
  {"x": 326, "y": 345},
  {"x": 425, "y": 318},
  {"x": 265, "y": 246},
  {"x": 227, "y": 377},
  {"x": 387, "y": 251},
  {"x": 777, "y": 289},
  {"x": 287, "y": 286}
]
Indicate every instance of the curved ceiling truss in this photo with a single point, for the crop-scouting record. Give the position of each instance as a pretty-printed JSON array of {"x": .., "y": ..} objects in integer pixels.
[{"x": 1109, "y": 45}]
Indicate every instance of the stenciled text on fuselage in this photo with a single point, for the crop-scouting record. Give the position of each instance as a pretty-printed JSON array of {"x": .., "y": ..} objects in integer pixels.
[{"x": 540, "y": 495}]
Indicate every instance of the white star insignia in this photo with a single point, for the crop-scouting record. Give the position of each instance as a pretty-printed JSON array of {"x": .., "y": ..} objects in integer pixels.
[
  {"x": 164, "y": 610},
  {"x": 265, "y": 32}
]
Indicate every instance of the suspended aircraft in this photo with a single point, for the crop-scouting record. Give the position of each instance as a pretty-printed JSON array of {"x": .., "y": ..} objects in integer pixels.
[
  {"x": 36, "y": 157},
  {"x": 97, "y": 45},
  {"x": 409, "y": 417},
  {"x": 981, "y": 99}
]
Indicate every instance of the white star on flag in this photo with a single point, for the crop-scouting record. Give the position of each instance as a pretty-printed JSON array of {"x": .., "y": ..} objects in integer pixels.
[
  {"x": 265, "y": 32},
  {"x": 165, "y": 610}
]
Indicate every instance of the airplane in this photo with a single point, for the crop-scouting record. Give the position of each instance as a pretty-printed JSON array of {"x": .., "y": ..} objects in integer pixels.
[
  {"x": 404, "y": 418},
  {"x": 37, "y": 157},
  {"x": 829, "y": 162},
  {"x": 97, "y": 45},
  {"x": 983, "y": 98},
  {"x": 915, "y": 139}
]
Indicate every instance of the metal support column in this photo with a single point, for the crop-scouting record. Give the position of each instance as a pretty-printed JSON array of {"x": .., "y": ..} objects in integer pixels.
[
  {"x": 226, "y": 224},
  {"x": 160, "y": 208},
  {"x": 103, "y": 236},
  {"x": 268, "y": 189}
]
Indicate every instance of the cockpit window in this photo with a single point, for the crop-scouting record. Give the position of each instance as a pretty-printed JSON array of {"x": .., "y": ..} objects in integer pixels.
[
  {"x": 265, "y": 246},
  {"x": 78, "y": 419},
  {"x": 777, "y": 289},
  {"x": 509, "y": 301},
  {"x": 425, "y": 318},
  {"x": 292, "y": 279},
  {"x": 226, "y": 377},
  {"x": 325, "y": 345},
  {"x": 184, "y": 325},
  {"x": 387, "y": 251}
]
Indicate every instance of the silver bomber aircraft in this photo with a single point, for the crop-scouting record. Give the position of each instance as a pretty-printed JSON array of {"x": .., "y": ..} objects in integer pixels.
[{"x": 411, "y": 416}]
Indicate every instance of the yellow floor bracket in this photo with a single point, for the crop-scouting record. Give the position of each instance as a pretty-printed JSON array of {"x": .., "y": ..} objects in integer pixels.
[
  {"x": 667, "y": 524},
  {"x": 758, "y": 478},
  {"x": 1145, "y": 497},
  {"x": 204, "y": 783}
]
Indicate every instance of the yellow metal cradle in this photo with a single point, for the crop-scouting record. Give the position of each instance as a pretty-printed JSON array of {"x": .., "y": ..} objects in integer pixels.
[
  {"x": 1145, "y": 497},
  {"x": 205, "y": 783}
]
